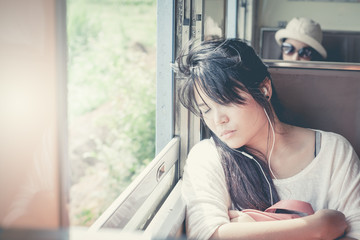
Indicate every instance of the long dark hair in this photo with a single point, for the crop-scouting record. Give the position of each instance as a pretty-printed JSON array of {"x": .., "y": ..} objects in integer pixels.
[{"x": 221, "y": 68}]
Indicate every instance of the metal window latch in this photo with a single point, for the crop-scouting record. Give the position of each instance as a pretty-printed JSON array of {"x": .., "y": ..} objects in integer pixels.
[{"x": 160, "y": 172}]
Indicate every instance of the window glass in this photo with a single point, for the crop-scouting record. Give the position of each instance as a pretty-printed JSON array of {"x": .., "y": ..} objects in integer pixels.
[
  {"x": 214, "y": 19},
  {"x": 111, "y": 99}
]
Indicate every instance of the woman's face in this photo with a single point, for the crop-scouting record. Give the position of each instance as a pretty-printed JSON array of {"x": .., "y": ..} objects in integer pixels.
[
  {"x": 290, "y": 50},
  {"x": 236, "y": 125}
]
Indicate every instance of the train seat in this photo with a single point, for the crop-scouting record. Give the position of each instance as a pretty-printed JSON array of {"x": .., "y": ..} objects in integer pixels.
[{"x": 327, "y": 99}]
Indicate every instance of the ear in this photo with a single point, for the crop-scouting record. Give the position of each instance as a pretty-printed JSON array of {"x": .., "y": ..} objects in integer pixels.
[{"x": 265, "y": 88}]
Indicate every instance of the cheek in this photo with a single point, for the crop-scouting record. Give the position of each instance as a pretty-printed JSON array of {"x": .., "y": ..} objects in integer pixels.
[
  {"x": 254, "y": 118},
  {"x": 209, "y": 124},
  {"x": 285, "y": 56}
]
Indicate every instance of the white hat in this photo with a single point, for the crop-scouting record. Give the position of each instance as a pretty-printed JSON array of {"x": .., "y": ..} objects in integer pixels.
[{"x": 304, "y": 30}]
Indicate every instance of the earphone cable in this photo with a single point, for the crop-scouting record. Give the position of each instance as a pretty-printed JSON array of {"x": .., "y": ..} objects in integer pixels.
[
  {"x": 273, "y": 144},
  {"x": 267, "y": 180}
]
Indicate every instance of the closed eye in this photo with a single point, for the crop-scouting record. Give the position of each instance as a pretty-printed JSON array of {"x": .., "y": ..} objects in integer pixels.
[
  {"x": 206, "y": 111},
  {"x": 204, "y": 108}
]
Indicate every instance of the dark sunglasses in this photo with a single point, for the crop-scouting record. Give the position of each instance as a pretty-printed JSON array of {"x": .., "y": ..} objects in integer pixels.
[{"x": 288, "y": 49}]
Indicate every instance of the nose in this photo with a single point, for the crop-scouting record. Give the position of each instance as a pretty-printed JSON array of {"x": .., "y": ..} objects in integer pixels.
[
  {"x": 295, "y": 56},
  {"x": 220, "y": 118}
]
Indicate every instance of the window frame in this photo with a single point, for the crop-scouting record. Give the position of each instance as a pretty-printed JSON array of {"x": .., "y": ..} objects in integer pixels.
[
  {"x": 137, "y": 205},
  {"x": 177, "y": 129},
  {"x": 160, "y": 174}
]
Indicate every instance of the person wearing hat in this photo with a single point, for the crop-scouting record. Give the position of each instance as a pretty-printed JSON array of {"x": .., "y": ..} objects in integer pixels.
[{"x": 301, "y": 40}]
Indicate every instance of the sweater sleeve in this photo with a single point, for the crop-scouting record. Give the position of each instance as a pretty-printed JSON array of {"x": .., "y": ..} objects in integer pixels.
[
  {"x": 345, "y": 185},
  {"x": 204, "y": 191}
]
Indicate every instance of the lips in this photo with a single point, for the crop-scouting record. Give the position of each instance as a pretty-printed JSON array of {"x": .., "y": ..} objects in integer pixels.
[{"x": 227, "y": 133}]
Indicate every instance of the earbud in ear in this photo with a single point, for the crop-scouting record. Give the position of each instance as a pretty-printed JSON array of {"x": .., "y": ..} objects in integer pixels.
[{"x": 264, "y": 91}]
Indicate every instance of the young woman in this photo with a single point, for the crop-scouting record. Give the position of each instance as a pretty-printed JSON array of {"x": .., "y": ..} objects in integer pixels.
[{"x": 253, "y": 159}]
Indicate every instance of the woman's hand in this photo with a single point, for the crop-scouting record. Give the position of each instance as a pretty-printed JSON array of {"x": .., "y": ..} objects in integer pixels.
[
  {"x": 238, "y": 216},
  {"x": 330, "y": 224},
  {"x": 325, "y": 223}
]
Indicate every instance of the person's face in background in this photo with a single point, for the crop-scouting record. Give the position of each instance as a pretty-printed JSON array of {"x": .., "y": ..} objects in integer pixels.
[{"x": 294, "y": 50}]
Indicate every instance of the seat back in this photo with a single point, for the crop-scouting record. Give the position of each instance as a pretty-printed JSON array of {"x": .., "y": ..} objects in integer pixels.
[{"x": 327, "y": 99}]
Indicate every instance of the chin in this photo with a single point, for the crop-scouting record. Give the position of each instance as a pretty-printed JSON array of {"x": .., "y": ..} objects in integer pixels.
[{"x": 233, "y": 145}]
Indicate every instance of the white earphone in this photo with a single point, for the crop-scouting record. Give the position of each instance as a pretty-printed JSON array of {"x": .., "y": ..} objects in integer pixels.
[
  {"x": 269, "y": 159},
  {"x": 267, "y": 180},
  {"x": 264, "y": 91}
]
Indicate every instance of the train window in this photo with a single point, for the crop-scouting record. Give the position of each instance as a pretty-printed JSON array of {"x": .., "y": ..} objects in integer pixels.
[
  {"x": 111, "y": 100},
  {"x": 129, "y": 123},
  {"x": 214, "y": 19}
]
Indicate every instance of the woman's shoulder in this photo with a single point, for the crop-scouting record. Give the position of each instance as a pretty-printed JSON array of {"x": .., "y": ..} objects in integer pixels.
[
  {"x": 334, "y": 138},
  {"x": 203, "y": 151},
  {"x": 336, "y": 145},
  {"x": 203, "y": 146},
  {"x": 326, "y": 136}
]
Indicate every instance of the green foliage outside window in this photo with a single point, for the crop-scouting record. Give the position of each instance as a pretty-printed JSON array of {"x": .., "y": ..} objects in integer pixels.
[{"x": 111, "y": 99}]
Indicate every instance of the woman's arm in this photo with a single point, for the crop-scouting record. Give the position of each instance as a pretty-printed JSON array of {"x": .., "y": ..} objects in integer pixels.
[
  {"x": 324, "y": 224},
  {"x": 344, "y": 188}
]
